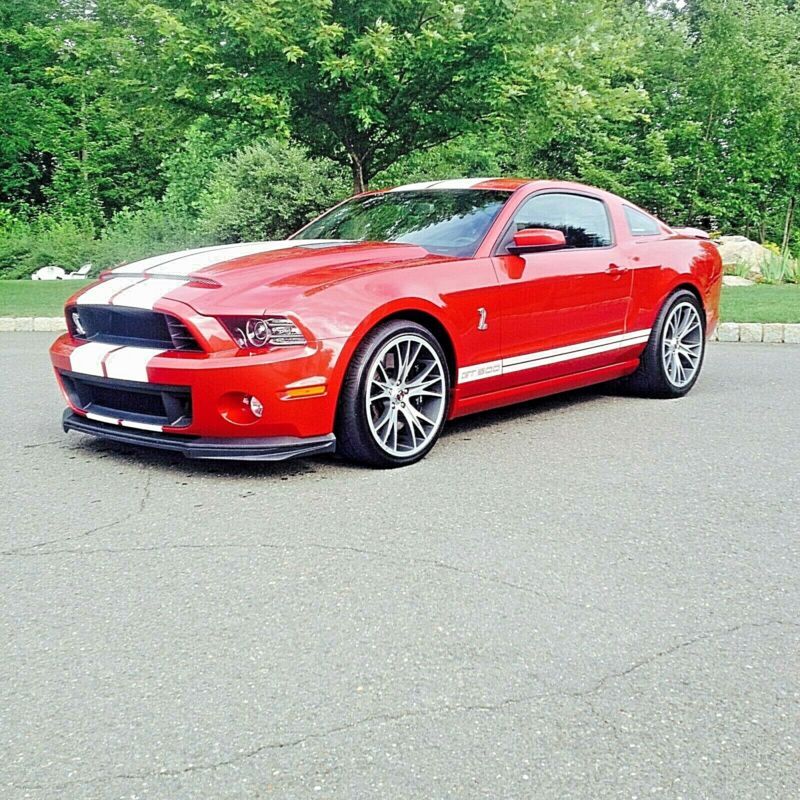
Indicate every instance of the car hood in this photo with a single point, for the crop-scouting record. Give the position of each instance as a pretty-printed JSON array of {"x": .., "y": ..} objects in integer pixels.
[{"x": 304, "y": 268}]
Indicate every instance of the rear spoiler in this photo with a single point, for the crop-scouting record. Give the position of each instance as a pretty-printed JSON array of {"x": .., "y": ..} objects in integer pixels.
[{"x": 692, "y": 233}]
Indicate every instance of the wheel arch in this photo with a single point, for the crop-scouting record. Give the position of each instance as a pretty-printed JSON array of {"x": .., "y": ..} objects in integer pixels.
[
  {"x": 690, "y": 287},
  {"x": 420, "y": 313}
]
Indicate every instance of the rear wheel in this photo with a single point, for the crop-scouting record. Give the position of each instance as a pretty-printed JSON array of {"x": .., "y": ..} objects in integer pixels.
[
  {"x": 673, "y": 358},
  {"x": 394, "y": 399}
]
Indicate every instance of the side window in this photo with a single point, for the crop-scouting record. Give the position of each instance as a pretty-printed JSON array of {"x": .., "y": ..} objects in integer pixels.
[
  {"x": 583, "y": 220},
  {"x": 640, "y": 224}
]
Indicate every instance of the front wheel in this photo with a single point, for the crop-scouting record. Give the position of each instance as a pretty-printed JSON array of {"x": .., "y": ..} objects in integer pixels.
[
  {"x": 673, "y": 358},
  {"x": 394, "y": 398}
]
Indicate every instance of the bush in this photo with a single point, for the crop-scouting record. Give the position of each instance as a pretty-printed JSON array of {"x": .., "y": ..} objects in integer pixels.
[
  {"x": 27, "y": 244},
  {"x": 150, "y": 230},
  {"x": 780, "y": 268},
  {"x": 267, "y": 191}
]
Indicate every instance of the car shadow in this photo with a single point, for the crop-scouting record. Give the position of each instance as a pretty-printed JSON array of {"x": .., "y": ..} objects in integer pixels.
[
  {"x": 96, "y": 449},
  {"x": 531, "y": 408}
]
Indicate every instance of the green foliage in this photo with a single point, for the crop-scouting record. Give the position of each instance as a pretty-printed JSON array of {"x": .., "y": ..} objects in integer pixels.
[
  {"x": 361, "y": 82},
  {"x": 267, "y": 191},
  {"x": 780, "y": 268},
  {"x": 150, "y": 230},
  {"x": 122, "y": 124},
  {"x": 26, "y": 245}
]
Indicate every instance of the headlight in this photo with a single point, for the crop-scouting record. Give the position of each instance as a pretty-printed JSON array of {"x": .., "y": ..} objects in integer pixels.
[{"x": 261, "y": 332}]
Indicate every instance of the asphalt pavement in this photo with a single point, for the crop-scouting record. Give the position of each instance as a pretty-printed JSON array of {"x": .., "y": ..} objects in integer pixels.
[{"x": 589, "y": 596}]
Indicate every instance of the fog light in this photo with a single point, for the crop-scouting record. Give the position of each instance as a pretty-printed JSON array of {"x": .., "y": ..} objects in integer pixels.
[{"x": 256, "y": 407}]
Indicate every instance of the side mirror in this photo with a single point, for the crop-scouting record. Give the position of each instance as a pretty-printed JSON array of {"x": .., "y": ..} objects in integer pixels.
[{"x": 536, "y": 240}]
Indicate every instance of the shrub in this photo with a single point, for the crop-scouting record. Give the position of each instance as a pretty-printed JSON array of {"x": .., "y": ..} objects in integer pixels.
[
  {"x": 27, "y": 244},
  {"x": 267, "y": 191},
  {"x": 153, "y": 229},
  {"x": 780, "y": 268}
]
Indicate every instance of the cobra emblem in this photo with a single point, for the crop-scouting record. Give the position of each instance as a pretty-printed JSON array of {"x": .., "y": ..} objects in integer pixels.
[{"x": 482, "y": 324}]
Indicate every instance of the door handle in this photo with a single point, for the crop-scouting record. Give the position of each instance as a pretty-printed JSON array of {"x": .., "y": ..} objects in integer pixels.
[{"x": 615, "y": 269}]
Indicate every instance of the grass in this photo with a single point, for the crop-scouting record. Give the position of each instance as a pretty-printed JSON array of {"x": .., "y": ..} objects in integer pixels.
[
  {"x": 739, "y": 303},
  {"x": 761, "y": 303},
  {"x": 36, "y": 298}
]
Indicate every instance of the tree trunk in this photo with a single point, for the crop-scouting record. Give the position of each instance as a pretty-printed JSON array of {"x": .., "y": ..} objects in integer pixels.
[
  {"x": 787, "y": 228},
  {"x": 359, "y": 178}
]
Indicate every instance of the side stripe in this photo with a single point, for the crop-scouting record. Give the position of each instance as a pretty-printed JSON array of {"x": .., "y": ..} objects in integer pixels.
[{"x": 556, "y": 355}]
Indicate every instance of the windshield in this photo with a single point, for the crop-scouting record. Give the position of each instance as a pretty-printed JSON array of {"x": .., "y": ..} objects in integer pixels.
[{"x": 445, "y": 221}]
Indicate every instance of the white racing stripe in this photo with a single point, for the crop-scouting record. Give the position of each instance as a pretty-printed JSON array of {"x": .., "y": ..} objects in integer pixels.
[
  {"x": 125, "y": 423},
  {"x": 130, "y": 363},
  {"x": 186, "y": 262},
  {"x": 102, "y": 418},
  {"x": 142, "y": 426},
  {"x": 556, "y": 355},
  {"x": 102, "y": 293},
  {"x": 146, "y": 293},
  {"x": 87, "y": 359},
  {"x": 456, "y": 183}
]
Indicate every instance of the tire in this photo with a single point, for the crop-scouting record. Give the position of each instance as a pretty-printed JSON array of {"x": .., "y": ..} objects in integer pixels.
[
  {"x": 395, "y": 397},
  {"x": 657, "y": 375}
]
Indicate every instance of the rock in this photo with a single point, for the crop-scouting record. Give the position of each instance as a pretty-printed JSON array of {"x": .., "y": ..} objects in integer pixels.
[
  {"x": 791, "y": 333},
  {"x": 728, "y": 332},
  {"x": 773, "y": 332},
  {"x": 751, "y": 332},
  {"x": 6, "y": 324},
  {"x": 739, "y": 250},
  {"x": 735, "y": 280}
]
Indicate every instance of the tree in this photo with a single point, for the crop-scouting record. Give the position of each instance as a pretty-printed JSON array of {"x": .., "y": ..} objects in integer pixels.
[{"x": 363, "y": 83}]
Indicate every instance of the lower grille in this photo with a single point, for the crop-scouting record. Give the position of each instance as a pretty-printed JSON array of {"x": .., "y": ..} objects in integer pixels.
[
  {"x": 152, "y": 404},
  {"x": 131, "y": 326}
]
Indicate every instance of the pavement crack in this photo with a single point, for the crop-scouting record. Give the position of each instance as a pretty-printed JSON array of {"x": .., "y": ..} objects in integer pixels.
[
  {"x": 397, "y": 560},
  {"x": 297, "y": 741},
  {"x": 34, "y": 549},
  {"x": 675, "y": 648}
]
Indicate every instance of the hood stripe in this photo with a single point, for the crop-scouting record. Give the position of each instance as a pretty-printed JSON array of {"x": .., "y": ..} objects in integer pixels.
[
  {"x": 146, "y": 293},
  {"x": 101, "y": 293}
]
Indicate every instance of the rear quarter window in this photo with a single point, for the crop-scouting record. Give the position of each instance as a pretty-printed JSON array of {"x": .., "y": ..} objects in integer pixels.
[{"x": 640, "y": 224}]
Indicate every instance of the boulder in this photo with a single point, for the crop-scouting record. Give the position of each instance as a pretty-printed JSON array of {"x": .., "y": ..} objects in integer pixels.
[
  {"x": 739, "y": 250},
  {"x": 735, "y": 280}
]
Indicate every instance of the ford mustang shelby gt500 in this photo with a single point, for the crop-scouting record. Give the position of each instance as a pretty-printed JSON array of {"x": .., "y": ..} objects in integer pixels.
[{"x": 383, "y": 318}]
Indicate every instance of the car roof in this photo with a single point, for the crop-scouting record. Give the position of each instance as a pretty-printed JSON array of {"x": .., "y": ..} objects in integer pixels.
[{"x": 503, "y": 184}]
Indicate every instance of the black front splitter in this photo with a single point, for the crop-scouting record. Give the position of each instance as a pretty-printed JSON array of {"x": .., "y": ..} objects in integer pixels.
[{"x": 276, "y": 448}]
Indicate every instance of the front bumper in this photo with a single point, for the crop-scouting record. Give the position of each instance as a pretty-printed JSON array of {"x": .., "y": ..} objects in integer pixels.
[
  {"x": 275, "y": 448},
  {"x": 198, "y": 394}
]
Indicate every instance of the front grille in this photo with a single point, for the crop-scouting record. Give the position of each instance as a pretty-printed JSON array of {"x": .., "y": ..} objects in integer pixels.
[
  {"x": 149, "y": 403},
  {"x": 131, "y": 326}
]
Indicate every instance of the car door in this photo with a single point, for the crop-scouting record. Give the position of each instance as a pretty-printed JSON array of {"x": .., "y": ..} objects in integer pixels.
[{"x": 563, "y": 311}]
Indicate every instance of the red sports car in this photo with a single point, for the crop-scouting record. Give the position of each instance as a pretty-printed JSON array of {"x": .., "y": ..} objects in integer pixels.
[{"x": 388, "y": 315}]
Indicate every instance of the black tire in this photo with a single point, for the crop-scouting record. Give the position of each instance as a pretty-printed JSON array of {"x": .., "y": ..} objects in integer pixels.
[
  {"x": 652, "y": 378},
  {"x": 356, "y": 439}
]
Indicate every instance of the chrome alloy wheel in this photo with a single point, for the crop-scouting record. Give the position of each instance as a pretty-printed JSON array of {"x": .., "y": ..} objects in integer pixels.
[
  {"x": 405, "y": 395},
  {"x": 682, "y": 344}
]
